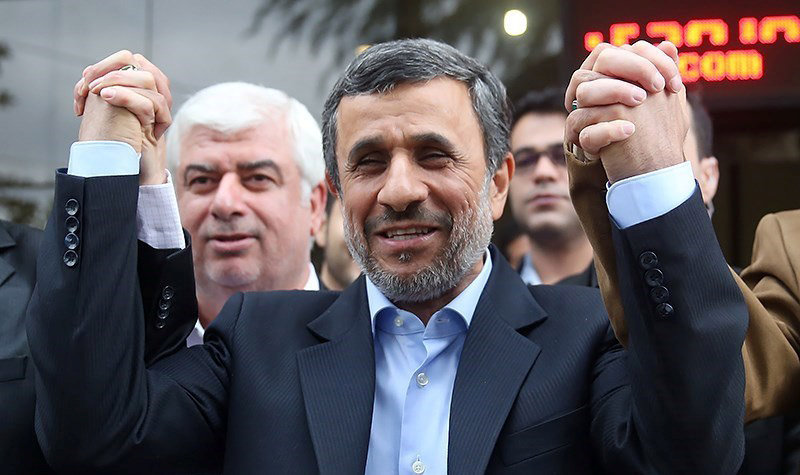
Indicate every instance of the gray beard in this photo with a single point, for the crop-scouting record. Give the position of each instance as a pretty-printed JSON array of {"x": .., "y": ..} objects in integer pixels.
[{"x": 469, "y": 237}]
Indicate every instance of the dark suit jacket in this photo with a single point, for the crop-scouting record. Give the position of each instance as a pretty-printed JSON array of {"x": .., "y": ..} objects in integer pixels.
[
  {"x": 285, "y": 380},
  {"x": 19, "y": 449}
]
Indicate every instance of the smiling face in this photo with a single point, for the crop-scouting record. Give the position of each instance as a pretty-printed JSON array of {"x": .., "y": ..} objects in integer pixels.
[
  {"x": 417, "y": 205},
  {"x": 240, "y": 198},
  {"x": 540, "y": 199}
]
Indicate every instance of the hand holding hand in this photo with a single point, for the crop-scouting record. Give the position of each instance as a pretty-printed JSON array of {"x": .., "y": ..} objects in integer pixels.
[
  {"x": 135, "y": 108},
  {"x": 633, "y": 111}
]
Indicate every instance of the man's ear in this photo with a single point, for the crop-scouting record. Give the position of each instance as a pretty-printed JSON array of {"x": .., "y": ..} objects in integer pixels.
[
  {"x": 317, "y": 200},
  {"x": 498, "y": 189},
  {"x": 331, "y": 187},
  {"x": 709, "y": 169}
]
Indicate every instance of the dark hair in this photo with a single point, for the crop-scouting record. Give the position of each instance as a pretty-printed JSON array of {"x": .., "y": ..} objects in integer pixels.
[
  {"x": 545, "y": 101},
  {"x": 329, "y": 204},
  {"x": 701, "y": 125},
  {"x": 383, "y": 66}
]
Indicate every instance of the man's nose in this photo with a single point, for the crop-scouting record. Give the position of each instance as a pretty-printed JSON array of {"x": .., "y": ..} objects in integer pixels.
[
  {"x": 545, "y": 170},
  {"x": 403, "y": 186},
  {"x": 228, "y": 198}
]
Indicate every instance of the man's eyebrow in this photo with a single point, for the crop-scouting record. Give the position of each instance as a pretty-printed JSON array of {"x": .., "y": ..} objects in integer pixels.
[
  {"x": 266, "y": 163},
  {"x": 364, "y": 144},
  {"x": 432, "y": 138},
  {"x": 199, "y": 167}
]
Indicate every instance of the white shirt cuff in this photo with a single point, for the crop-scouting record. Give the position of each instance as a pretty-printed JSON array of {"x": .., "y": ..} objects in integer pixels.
[
  {"x": 640, "y": 198},
  {"x": 102, "y": 158},
  {"x": 158, "y": 222}
]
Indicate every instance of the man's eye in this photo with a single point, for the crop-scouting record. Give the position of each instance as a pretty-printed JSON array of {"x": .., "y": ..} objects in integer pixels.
[
  {"x": 259, "y": 181},
  {"x": 201, "y": 183}
]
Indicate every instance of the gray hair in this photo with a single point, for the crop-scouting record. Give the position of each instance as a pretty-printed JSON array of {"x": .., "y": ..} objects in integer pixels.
[
  {"x": 383, "y": 66},
  {"x": 232, "y": 107}
]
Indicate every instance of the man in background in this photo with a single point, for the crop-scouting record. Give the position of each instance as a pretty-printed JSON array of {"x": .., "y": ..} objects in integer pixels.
[
  {"x": 338, "y": 270},
  {"x": 249, "y": 177},
  {"x": 539, "y": 195}
]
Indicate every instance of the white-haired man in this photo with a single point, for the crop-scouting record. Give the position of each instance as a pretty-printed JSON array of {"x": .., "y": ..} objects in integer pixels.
[{"x": 248, "y": 168}]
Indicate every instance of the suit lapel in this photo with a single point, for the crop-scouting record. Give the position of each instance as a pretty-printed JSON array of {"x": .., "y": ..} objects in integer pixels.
[
  {"x": 494, "y": 362},
  {"x": 338, "y": 382},
  {"x": 6, "y": 241}
]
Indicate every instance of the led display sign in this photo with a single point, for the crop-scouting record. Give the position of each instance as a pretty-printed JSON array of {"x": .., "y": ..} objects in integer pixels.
[{"x": 745, "y": 53}]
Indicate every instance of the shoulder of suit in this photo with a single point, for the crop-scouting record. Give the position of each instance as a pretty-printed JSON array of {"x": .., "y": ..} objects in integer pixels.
[
  {"x": 294, "y": 304},
  {"x": 569, "y": 299}
]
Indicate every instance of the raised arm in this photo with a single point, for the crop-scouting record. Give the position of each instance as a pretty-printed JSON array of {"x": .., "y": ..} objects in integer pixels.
[
  {"x": 685, "y": 316},
  {"x": 98, "y": 407}
]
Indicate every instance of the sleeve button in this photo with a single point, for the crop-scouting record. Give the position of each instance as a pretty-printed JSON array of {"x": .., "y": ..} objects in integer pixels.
[
  {"x": 665, "y": 310},
  {"x": 71, "y": 223},
  {"x": 648, "y": 260},
  {"x": 659, "y": 294},
  {"x": 71, "y": 206},
  {"x": 70, "y": 258},
  {"x": 654, "y": 277}
]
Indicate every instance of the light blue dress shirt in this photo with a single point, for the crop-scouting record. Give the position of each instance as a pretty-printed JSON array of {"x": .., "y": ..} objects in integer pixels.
[{"x": 415, "y": 368}]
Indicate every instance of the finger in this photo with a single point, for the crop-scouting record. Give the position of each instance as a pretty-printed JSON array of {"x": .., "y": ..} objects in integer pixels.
[
  {"x": 631, "y": 67},
  {"x": 662, "y": 61},
  {"x": 109, "y": 63},
  {"x": 137, "y": 79},
  {"x": 149, "y": 107},
  {"x": 78, "y": 99},
  {"x": 595, "y": 137},
  {"x": 585, "y": 116},
  {"x": 588, "y": 63},
  {"x": 605, "y": 91},
  {"x": 579, "y": 77},
  {"x": 670, "y": 49},
  {"x": 161, "y": 79}
]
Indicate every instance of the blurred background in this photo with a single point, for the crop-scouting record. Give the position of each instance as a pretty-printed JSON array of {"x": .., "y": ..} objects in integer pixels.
[{"x": 743, "y": 57}]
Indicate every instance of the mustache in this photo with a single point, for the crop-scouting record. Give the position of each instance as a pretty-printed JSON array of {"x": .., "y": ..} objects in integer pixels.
[
  {"x": 227, "y": 228},
  {"x": 415, "y": 213}
]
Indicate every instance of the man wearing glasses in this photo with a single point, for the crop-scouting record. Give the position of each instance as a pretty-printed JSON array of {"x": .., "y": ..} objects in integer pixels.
[{"x": 559, "y": 249}]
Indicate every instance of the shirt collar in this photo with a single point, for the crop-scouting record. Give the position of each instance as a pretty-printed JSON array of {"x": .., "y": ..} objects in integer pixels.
[
  {"x": 527, "y": 272},
  {"x": 464, "y": 303}
]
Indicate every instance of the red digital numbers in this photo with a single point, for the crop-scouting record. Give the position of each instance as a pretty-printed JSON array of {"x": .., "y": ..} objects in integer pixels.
[{"x": 717, "y": 65}]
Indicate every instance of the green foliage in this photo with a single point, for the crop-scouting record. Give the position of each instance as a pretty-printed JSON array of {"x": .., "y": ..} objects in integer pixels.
[{"x": 475, "y": 26}]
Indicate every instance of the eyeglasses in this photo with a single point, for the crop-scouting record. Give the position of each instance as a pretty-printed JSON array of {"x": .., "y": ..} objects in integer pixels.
[{"x": 526, "y": 159}]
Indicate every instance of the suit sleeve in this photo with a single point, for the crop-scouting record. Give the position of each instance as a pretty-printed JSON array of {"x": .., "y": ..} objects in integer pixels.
[
  {"x": 97, "y": 406},
  {"x": 772, "y": 367},
  {"x": 166, "y": 278},
  {"x": 686, "y": 321}
]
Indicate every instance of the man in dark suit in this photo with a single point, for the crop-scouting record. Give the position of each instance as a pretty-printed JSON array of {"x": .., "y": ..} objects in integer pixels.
[{"x": 439, "y": 359}]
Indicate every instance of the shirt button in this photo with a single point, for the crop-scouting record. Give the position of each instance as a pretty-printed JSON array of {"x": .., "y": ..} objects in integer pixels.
[
  {"x": 71, "y": 206},
  {"x": 398, "y": 322},
  {"x": 418, "y": 467},
  {"x": 422, "y": 381},
  {"x": 160, "y": 324}
]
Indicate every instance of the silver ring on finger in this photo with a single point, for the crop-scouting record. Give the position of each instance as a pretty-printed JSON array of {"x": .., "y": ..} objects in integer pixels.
[
  {"x": 129, "y": 67},
  {"x": 575, "y": 104}
]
